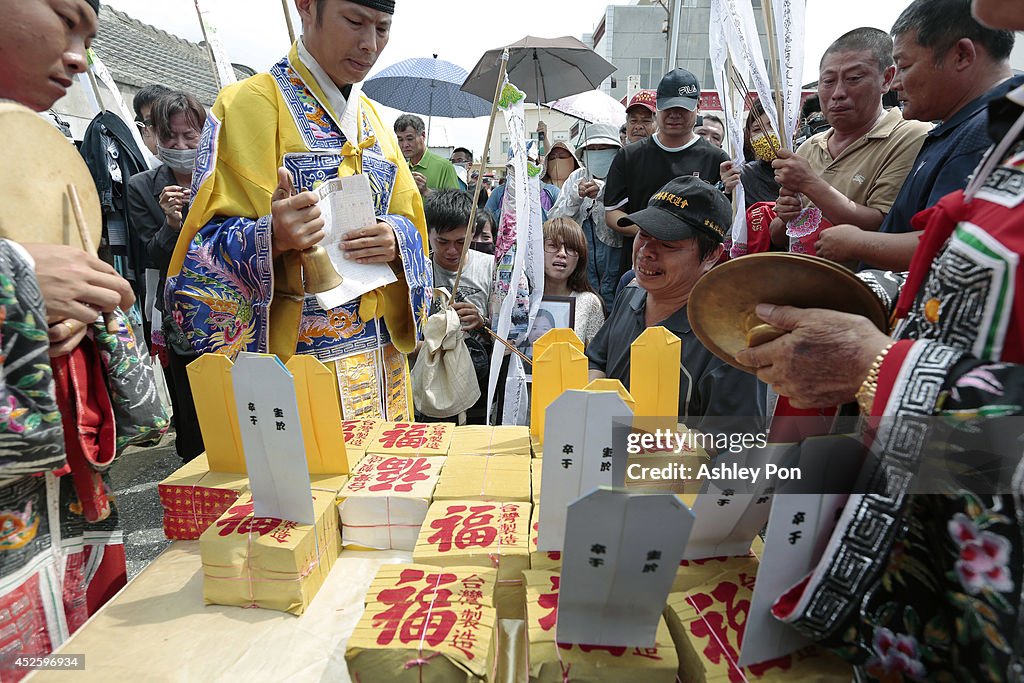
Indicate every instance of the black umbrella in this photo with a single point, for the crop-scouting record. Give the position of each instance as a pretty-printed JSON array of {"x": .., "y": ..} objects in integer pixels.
[{"x": 545, "y": 69}]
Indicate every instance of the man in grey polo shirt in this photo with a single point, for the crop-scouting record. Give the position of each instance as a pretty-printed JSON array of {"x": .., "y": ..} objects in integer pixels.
[{"x": 679, "y": 238}]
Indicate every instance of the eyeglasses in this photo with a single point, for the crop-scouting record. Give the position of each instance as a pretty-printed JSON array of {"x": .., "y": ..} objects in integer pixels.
[
  {"x": 553, "y": 248},
  {"x": 144, "y": 124}
]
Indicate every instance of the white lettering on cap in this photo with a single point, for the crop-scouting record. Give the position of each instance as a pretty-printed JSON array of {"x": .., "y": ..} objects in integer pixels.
[{"x": 688, "y": 90}]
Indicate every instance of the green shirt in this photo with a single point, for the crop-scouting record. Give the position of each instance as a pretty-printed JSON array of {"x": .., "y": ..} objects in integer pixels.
[{"x": 438, "y": 171}]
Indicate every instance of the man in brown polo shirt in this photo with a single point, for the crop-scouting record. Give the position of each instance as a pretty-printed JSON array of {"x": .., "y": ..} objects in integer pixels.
[{"x": 852, "y": 172}]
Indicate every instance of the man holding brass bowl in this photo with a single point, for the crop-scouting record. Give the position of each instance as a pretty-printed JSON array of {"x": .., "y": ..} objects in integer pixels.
[{"x": 235, "y": 282}]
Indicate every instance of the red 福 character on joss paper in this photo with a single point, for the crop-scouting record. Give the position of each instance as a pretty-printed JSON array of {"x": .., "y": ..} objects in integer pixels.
[
  {"x": 432, "y": 602},
  {"x": 714, "y": 627},
  {"x": 404, "y": 436},
  {"x": 476, "y": 528},
  {"x": 399, "y": 474},
  {"x": 239, "y": 519},
  {"x": 433, "y": 619},
  {"x": 784, "y": 663}
]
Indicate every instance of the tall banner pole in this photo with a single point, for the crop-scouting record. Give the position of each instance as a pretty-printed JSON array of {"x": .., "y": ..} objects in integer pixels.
[
  {"x": 221, "y": 63},
  {"x": 288, "y": 20}
]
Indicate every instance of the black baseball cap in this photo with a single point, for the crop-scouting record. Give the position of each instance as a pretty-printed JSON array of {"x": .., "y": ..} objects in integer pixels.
[
  {"x": 678, "y": 88},
  {"x": 681, "y": 209}
]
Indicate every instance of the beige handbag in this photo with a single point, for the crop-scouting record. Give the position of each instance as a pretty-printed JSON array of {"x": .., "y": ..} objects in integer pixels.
[{"x": 443, "y": 379}]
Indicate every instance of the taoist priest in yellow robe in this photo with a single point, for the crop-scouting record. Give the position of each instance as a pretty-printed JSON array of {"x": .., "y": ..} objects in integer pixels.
[{"x": 235, "y": 281}]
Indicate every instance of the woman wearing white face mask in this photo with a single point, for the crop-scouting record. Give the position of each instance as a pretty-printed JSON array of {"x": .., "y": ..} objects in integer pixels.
[
  {"x": 582, "y": 199},
  {"x": 158, "y": 203},
  {"x": 159, "y": 198}
]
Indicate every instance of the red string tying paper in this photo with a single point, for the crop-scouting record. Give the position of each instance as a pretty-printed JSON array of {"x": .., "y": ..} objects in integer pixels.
[
  {"x": 420, "y": 660},
  {"x": 724, "y": 647},
  {"x": 192, "y": 500},
  {"x": 391, "y": 542},
  {"x": 561, "y": 664},
  {"x": 290, "y": 577},
  {"x": 248, "y": 569}
]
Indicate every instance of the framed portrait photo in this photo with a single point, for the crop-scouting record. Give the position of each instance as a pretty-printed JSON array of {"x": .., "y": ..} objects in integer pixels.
[{"x": 554, "y": 311}]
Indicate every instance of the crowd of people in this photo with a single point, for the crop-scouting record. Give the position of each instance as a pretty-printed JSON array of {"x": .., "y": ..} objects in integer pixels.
[{"x": 922, "y": 199}]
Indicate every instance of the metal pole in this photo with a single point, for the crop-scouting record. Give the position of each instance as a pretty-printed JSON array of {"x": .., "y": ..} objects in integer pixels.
[
  {"x": 483, "y": 167},
  {"x": 673, "y": 50},
  {"x": 288, "y": 19},
  {"x": 430, "y": 105},
  {"x": 430, "y": 117},
  {"x": 206, "y": 39}
]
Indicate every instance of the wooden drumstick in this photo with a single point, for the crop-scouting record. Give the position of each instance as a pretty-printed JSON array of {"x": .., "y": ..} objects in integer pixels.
[{"x": 112, "y": 324}]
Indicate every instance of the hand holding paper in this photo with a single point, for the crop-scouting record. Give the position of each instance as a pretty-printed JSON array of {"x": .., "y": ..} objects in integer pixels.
[
  {"x": 373, "y": 244},
  {"x": 355, "y": 241}
]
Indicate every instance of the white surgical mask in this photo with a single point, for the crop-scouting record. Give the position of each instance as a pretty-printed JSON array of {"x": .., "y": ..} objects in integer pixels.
[
  {"x": 598, "y": 161},
  {"x": 180, "y": 160}
]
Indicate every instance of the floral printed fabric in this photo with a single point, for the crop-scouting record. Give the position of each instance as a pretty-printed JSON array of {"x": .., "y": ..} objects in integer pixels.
[
  {"x": 942, "y": 596},
  {"x": 140, "y": 417},
  {"x": 947, "y": 605},
  {"x": 31, "y": 435}
]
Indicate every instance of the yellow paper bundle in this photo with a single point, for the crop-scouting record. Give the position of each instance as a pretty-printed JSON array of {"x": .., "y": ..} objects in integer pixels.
[
  {"x": 707, "y": 621},
  {"x": 501, "y": 440},
  {"x": 481, "y": 534},
  {"x": 411, "y": 438},
  {"x": 267, "y": 562},
  {"x": 426, "y": 624},
  {"x": 548, "y": 559},
  {"x": 484, "y": 477},
  {"x": 536, "y": 468},
  {"x": 358, "y": 435}
]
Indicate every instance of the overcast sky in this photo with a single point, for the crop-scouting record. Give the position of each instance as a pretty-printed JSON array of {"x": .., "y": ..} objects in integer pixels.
[{"x": 254, "y": 31}]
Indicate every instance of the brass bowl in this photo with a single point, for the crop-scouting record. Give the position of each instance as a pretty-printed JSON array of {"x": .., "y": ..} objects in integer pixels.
[{"x": 721, "y": 305}]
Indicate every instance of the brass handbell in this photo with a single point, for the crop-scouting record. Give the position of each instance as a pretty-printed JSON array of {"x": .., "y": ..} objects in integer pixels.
[{"x": 318, "y": 273}]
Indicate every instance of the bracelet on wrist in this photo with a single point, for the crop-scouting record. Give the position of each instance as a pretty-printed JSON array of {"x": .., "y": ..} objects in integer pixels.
[{"x": 866, "y": 394}]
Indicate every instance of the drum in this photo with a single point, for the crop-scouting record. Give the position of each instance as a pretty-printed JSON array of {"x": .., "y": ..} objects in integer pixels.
[{"x": 38, "y": 165}]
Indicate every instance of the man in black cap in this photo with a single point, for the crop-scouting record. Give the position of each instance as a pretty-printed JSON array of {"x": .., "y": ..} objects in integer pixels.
[
  {"x": 674, "y": 150},
  {"x": 678, "y": 238}
]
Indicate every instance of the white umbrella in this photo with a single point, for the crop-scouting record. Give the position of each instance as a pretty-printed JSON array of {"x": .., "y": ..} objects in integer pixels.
[{"x": 593, "y": 106}]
